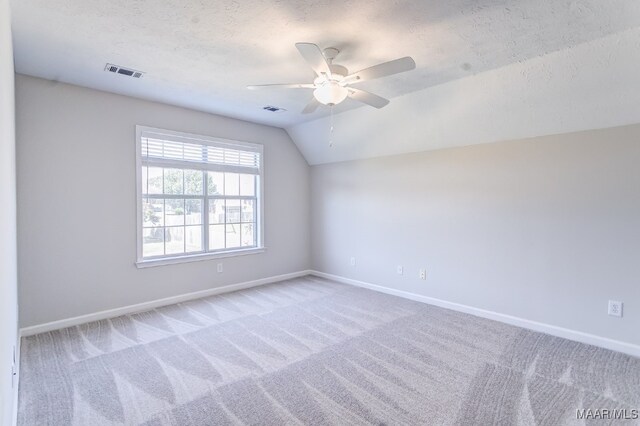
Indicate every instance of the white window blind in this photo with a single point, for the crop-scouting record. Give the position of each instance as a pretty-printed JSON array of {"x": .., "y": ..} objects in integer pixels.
[{"x": 200, "y": 154}]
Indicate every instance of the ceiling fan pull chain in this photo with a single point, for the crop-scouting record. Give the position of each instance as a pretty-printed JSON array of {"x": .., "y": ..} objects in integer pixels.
[{"x": 331, "y": 129}]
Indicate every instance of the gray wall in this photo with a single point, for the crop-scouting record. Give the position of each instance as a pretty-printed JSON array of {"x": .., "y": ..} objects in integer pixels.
[
  {"x": 8, "y": 281},
  {"x": 77, "y": 202},
  {"x": 546, "y": 229}
]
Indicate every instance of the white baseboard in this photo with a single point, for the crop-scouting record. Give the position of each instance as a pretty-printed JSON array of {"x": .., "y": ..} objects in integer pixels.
[
  {"x": 578, "y": 336},
  {"x": 145, "y": 306}
]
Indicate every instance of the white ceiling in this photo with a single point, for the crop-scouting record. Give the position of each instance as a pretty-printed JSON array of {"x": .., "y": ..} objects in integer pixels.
[{"x": 202, "y": 54}]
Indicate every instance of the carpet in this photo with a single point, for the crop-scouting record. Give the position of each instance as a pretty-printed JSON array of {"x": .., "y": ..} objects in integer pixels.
[{"x": 312, "y": 351}]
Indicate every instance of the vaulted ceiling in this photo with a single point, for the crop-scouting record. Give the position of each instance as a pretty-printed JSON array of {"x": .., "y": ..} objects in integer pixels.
[{"x": 475, "y": 59}]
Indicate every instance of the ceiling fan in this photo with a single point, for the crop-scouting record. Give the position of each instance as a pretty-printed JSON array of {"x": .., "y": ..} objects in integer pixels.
[{"x": 333, "y": 82}]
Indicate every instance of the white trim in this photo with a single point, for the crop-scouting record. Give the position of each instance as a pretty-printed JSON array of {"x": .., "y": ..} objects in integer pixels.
[
  {"x": 194, "y": 138},
  {"x": 139, "y": 221},
  {"x": 566, "y": 333},
  {"x": 260, "y": 220},
  {"x": 145, "y": 306},
  {"x": 141, "y": 262},
  {"x": 148, "y": 263},
  {"x": 17, "y": 381},
  {"x": 194, "y": 165}
]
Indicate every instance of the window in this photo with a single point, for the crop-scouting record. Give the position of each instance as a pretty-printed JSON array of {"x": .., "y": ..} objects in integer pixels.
[{"x": 198, "y": 197}]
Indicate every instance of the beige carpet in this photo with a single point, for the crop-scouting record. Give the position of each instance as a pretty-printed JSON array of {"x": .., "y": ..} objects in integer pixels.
[{"x": 311, "y": 351}]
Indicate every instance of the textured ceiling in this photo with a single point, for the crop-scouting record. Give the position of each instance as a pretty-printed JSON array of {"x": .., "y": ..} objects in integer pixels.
[{"x": 201, "y": 54}]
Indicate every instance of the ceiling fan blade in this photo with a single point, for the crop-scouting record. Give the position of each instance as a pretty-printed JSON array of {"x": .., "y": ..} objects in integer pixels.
[
  {"x": 311, "y": 106},
  {"x": 282, "y": 86},
  {"x": 381, "y": 70},
  {"x": 314, "y": 57},
  {"x": 367, "y": 98}
]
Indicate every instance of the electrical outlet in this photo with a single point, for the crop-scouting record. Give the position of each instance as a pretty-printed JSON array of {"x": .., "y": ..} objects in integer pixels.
[
  {"x": 220, "y": 268},
  {"x": 423, "y": 274},
  {"x": 353, "y": 261},
  {"x": 399, "y": 270},
  {"x": 615, "y": 308}
]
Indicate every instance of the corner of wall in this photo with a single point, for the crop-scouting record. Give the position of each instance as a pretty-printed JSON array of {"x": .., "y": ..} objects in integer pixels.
[{"x": 8, "y": 249}]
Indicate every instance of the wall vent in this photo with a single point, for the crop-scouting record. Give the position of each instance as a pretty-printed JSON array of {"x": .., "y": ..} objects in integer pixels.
[
  {"x": 273, "y": 109},
  {"x": 124, "y": 71}
]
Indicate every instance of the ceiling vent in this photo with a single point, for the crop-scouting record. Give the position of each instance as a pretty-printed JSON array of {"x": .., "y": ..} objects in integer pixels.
[
  {"x": 124, "y": 71},
  {"x": 273, "y": 109}
]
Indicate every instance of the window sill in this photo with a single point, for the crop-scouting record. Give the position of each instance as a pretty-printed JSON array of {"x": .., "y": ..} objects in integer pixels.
[{"x": 197, "y": 257}]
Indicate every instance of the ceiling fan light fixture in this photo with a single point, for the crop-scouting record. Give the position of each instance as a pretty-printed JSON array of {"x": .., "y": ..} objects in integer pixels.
[{"x": 330, "y": 93}]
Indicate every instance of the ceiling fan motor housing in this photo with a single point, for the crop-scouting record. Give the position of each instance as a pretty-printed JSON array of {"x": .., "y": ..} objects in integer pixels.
[{"x": 338, "y": 71}]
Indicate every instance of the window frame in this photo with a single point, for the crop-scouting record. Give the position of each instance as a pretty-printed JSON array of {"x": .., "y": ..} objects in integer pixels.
[{"x": 141, "y": 261}]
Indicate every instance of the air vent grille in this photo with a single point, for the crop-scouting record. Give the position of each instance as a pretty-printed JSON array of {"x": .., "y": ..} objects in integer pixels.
[
  {"x": 273, "y": 108},
  {"x": 117, "y": 69}
]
